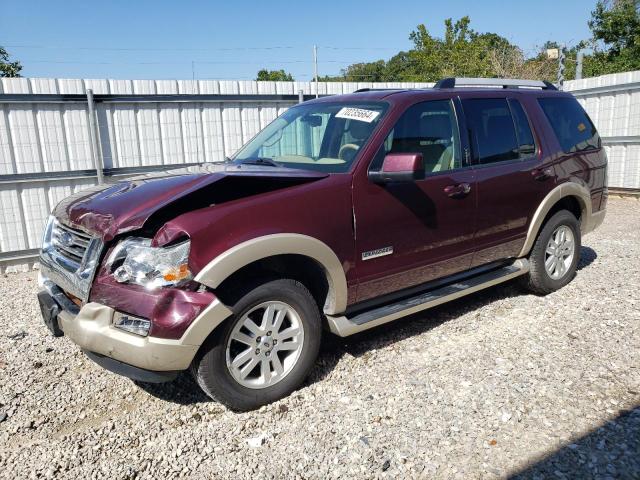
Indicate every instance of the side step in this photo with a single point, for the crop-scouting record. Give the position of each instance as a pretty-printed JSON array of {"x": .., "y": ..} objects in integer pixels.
[{"x": 345, "y": 326}]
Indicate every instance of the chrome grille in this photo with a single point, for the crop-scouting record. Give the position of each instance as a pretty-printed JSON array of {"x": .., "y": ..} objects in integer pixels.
[
  {"x": 69, "y": 258},
  {"x": 70, "y": 243}
]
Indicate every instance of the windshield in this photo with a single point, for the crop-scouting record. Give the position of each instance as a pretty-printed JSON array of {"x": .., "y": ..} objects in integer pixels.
[{"x": 317, "y": 136}]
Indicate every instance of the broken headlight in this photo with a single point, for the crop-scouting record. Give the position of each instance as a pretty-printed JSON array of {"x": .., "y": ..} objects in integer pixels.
[{"x": 135, "y": 261}]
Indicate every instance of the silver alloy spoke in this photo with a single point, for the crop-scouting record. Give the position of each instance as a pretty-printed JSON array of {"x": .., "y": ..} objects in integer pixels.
[
  {"x": 563, "y": 267},
  {"x": 252, "y": 327},
  {"x": 241, "y": 337},
  {"x": 550, "y": 263},
  {"x": 277, "y": 365},
  {"x": 277, "y": 323},
  {"x": 243, "y": 357},
  {"x": 568, "y": 246},
  {"x": 292, "y": 345},
  {"x": 265, "y": 370},
  {"x": 288, "y": 333},
  {"x": 247, "y": 369},
  {"x": 267, "y": 318},
  {"x": 554, "y": 269}
]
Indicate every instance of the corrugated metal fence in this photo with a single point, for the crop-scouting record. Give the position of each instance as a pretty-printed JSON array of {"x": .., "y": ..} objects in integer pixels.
[
  {"x": 613, "y": 103},
  {"x": 46, "y": 149}
]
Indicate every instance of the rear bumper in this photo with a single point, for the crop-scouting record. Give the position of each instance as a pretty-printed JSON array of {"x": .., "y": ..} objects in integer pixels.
[
  {"x": 593, "y": 221},
  {"x": 91, "y": 328}
]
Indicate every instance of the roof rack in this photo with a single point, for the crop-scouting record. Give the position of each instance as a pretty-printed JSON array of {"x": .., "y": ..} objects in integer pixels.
[
  {"x": 375, "y": 89},
  {"x": 494, "y": 82}
]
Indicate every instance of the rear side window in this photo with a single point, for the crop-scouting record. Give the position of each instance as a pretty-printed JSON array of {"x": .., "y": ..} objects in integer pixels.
[
  {"x": 492, "y": 129},
  {"x": 571, "y": 124},
  {"x": 526, "y": 143}
]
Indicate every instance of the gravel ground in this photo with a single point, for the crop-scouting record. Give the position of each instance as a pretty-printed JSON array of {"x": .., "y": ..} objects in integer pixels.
[{"x": 498, "y": 384}]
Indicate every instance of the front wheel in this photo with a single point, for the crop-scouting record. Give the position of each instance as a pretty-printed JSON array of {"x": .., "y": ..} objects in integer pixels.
[
  {"x": 266, "y": 350},
  {"x": 555, "y": 254}
]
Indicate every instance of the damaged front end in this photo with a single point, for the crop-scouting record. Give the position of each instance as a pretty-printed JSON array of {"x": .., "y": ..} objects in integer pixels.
[{"x": 122, "y": 292}]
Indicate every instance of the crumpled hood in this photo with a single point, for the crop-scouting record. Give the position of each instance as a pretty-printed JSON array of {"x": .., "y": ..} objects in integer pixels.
[{"x": 109, "y": 210}]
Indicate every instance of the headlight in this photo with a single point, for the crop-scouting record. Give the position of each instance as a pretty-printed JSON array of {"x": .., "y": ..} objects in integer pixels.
[{"x": 134, "y": 260}]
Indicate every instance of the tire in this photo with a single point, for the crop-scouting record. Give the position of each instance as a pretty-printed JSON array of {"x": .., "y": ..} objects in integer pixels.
[
  {"x": 541, "y": 280},
  {"x": 215, "y": 367}
]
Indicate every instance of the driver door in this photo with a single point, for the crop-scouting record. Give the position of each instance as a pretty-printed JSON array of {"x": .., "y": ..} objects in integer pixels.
[{"x": 408, "y": 233}]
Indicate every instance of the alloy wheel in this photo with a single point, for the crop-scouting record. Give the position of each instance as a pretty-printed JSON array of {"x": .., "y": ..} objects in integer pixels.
[
  {"x": 559, "y": 253},
  {"x": 265, "y": 345}
]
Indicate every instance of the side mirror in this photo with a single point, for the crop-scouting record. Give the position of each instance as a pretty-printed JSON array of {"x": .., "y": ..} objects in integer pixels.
[
  {"x": 312, "y": 120},
  {"x": 399, "y": 167}
]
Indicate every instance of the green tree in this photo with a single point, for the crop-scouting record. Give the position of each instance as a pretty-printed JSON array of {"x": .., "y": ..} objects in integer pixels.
[
  {"x": 461, "y": 52},
  {"x": 365, "y": 72},
  {"x": 402, "y": 67},
  {"x": 615, "y": 29},
  {"x": 7, "y": 68},
  {"x": 265, "y": 75}
]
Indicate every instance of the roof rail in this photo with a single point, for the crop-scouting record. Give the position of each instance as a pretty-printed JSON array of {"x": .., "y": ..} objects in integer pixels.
[
  {"x": 375, "y": 89},
  {"x": 493, "y": 82}
]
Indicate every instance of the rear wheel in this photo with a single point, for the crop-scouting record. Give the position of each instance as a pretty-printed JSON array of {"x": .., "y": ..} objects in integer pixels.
[
  {"x": 265, "y": 350},
  {"x": 555, "y": 254}
]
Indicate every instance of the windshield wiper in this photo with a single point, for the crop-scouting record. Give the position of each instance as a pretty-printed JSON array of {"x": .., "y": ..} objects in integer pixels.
[{"x": 260, "y": 161}]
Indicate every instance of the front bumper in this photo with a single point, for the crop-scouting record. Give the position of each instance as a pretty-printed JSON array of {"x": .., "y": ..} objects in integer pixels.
[{"x": 91, "y": 328}]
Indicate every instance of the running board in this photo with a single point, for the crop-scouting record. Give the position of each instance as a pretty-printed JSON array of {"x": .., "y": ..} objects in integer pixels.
[{"x": 345, "y": 326}]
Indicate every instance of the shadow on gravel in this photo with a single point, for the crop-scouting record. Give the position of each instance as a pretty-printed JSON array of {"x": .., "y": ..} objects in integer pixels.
[
  {"x": 334, "y": 347},
  {"x": 610, "y": 451},
  {"x": 184, "y": 390},
  {"x": 587, "y": 256}
]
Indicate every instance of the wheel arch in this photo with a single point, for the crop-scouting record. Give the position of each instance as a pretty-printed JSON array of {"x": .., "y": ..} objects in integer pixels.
[
  {"x": 569, "y": 196},
  {"x": 259, "y": 250}
]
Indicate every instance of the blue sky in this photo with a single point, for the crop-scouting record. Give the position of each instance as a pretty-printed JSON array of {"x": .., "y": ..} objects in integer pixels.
[{"x": 234, "y": 39}]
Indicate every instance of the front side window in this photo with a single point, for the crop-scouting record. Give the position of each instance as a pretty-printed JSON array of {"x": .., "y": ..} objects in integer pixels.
[
  {"x": 493, "y": 133},
  {"x": 317, "y": 136},
  {"x": 429, "y": 128},
  {"x": 571, "y": 124}
]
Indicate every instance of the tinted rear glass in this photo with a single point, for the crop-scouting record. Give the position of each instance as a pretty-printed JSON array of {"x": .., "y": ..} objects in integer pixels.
[
  {"x": 571, "y": 124},
  {"x": 492, "y": 129}
]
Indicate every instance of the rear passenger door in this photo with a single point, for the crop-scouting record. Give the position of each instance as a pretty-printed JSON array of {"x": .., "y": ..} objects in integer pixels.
[{"x": 510, "y": 178}]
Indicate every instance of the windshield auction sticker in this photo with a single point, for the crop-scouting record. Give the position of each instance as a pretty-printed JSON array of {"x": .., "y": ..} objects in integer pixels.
[{"x": 360, "y": 114}]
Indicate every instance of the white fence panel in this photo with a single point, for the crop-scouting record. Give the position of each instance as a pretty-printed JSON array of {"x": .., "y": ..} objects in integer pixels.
[{"x": 613, "y": 103}]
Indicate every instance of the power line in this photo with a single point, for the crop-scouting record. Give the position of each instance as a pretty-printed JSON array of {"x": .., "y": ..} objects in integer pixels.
[
  {"x": 133, "y": 49},
  {"x": 178, "y": 49},
  {"x": 197, "y": 62},
  {"x": 359, "y": 48}
]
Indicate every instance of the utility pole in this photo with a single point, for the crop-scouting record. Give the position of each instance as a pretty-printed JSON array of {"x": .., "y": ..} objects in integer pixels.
[
  {"x": 579, "y": 59},
  {"x": 561, "y": 60},
  {"x": 315, "y": 67}
]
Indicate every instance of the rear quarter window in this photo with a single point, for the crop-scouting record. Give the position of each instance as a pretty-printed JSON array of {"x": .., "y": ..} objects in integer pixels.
[{"x": 573, "y": 127}]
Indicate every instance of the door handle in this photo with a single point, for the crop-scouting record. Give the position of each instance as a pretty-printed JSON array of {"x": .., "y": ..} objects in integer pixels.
[
  {"x": 457, "y": 191},
  {"x": 541, "y": 174}
]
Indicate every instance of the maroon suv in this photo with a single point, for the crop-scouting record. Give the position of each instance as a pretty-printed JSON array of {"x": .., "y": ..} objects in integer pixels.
[{"x": 345, "y": 213}]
